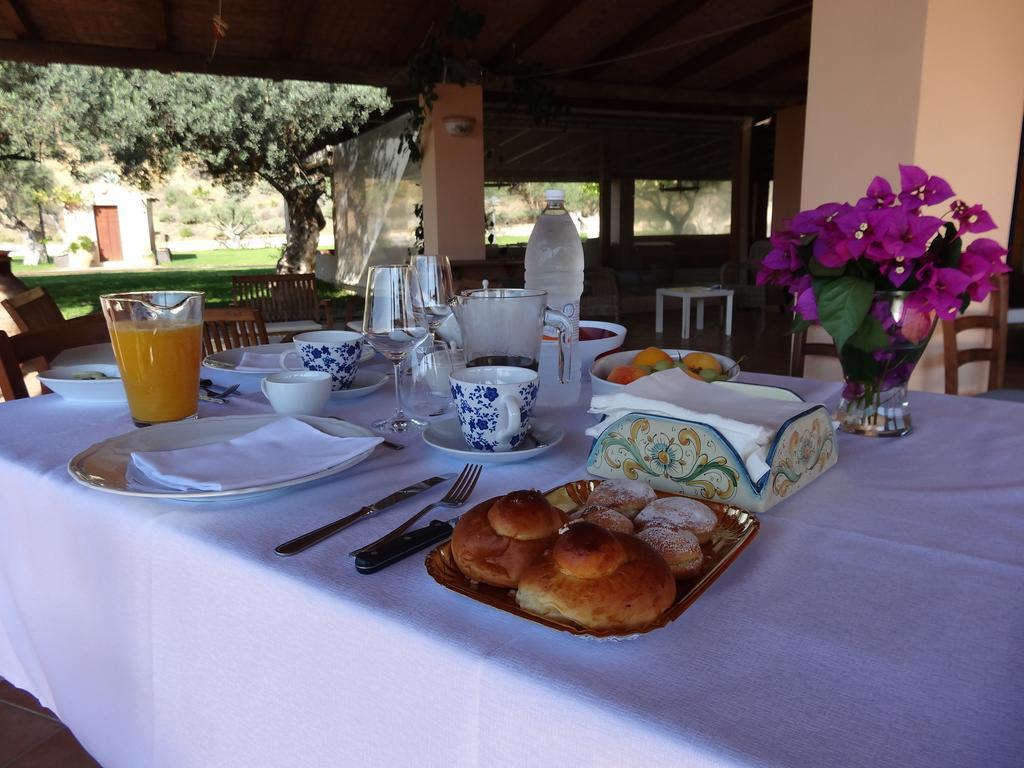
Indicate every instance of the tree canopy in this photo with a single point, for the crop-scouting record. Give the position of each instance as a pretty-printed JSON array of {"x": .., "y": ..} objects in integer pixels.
[{"x": 233, "y": 129}]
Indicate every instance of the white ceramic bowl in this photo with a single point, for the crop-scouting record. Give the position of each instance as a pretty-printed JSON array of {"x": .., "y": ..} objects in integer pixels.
[
  {"x": 589, "y": 350},
  {"x": 601, "y": 368},
  {"x": 61, "y": 380}
]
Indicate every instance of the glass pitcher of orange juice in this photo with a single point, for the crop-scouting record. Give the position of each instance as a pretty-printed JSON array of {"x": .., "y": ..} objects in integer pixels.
[{"x": 157, "y": 338}]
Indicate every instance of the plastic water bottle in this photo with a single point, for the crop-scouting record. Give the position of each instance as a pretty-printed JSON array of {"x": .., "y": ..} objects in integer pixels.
[
  {"x": 554, "y": 259},
  {"x": 554, "y": 263}
]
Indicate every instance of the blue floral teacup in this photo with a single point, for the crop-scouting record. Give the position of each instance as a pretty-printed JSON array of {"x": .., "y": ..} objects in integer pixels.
[
  {"x": 333, "y": 352},
  {"x": 494, "y": 404}
]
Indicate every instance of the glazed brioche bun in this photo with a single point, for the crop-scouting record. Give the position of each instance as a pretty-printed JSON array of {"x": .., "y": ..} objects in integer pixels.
[
  {"x": 623, "y": 495},
  {"x": 598, "y": 579},
  {"x": 494, "y": 544}
]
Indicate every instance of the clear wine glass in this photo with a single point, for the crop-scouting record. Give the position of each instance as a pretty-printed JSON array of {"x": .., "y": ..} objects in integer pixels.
[
  {"x": 391, "y": 327},
  {"x": 434, "y": 280}
]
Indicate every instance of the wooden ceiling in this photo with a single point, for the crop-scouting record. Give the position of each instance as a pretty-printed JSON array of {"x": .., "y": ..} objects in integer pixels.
[
  {"x": 721, "y": 56},
  {"x": 651, "y": 88}
]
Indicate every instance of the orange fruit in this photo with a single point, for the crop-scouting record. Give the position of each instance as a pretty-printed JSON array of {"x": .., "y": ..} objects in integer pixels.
[
  {"x": 624, "y": 374},
  {"x": 652, "y": 356}
]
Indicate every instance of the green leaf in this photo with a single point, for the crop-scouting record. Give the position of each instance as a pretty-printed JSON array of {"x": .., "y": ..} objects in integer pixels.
[
  {"x": 818, "y": 269},
  {"x": 843, "y": 302},
  {"x": 800, "y": 324},
  {"x": 951, "y": 253},
  {"x": 869, "y": 336},
  {"x": 858, "y": 364}
]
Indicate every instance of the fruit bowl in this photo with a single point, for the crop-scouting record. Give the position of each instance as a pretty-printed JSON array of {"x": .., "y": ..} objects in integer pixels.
[{"x": 600, "y": 370}]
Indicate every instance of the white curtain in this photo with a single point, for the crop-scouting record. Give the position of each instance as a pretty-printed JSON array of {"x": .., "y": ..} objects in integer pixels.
[{"x": 375, "y": 190}]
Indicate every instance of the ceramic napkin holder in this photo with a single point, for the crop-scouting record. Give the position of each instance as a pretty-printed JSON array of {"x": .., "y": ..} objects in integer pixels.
[{"x": 694, "y": 459}]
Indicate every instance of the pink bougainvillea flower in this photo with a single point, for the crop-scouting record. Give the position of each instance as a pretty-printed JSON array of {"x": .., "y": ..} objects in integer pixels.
[
  {"x": 813, "y": 221},
  {"x": 942, "y": 289},
  {"x": 971, "y": 219},
  {"x": 917, "y": 188},
  {"x": 805, "y": 305},
  {"x": 980, "y": 261},
  {"x": 879, "y": 195}
]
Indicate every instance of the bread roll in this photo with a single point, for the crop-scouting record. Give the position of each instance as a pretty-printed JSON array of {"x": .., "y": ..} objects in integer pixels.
[
  {"x": 607, "y": 518},
  {"x": 679, "y": 547},
  {"x": 622, "y": 495},
  {"x": 495, "y": 544},
  {"x": 688, "y": 514},
  {"x": 598, "y": 579}
]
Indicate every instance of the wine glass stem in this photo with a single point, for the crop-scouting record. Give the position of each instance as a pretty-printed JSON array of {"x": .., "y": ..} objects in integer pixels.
[{"x": 400, "y": 412}]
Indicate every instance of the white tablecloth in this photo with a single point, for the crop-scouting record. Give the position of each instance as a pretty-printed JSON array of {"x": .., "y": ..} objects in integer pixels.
[{"x": 877, "y": 619}]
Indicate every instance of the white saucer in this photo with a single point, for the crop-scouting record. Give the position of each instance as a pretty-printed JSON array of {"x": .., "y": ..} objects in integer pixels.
[
  {"x": 363, "y": 383},
  {"x": 446, "y": 436},
  {"x": 102, "y": 390},
  {"x": 229, "y": 359}
]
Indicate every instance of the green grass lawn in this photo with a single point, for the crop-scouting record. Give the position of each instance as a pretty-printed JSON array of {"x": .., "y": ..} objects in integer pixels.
[{"x": 216, "y": 259}]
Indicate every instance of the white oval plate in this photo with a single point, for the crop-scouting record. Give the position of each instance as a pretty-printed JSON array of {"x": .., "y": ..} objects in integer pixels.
[
  {"x": 109, "y": 390},
  {"x": 229, "y": 359},
  {"x": 104, "y": 466},
  {"x": 446, "y": 436},
  {"x": 603, "y": 366},
  {"x": 363, "y": 383}
]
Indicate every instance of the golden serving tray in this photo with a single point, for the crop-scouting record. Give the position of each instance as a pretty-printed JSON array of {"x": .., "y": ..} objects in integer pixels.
[{"x": 735, "y": 530}]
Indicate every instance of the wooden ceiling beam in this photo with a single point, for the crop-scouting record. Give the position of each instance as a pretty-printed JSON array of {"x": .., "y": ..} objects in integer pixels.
[
  {"x": 531, "y": 33},
  {"x": 772, "y": 70},
  {"x": 586, "y": 146},
  {"x": 652, "y": 26},
  {"x": 171, "y": 61},
  {"x": 731, "y": 44},
  {"x": 294, "y": 20},
  {"x": 13, "y": 14},
  {"x": 533, "y": 150}
]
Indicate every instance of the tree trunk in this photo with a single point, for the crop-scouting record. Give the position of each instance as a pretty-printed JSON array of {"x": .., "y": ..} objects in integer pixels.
[{"x": 305, "y": 220}]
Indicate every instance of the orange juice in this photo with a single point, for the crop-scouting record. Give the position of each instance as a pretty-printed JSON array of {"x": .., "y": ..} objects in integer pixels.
[{"x": 160, "y": 368}]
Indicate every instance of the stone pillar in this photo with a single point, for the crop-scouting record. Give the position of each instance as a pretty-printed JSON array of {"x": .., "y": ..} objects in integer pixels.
[
  {"x": 933, "y": 83},
  {"x": 453, "y": 174}
]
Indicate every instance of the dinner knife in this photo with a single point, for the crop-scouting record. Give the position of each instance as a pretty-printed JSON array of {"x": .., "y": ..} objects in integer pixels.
[
  {"x": 307, "y": 540},
  {"x": 405, "y": 545}
]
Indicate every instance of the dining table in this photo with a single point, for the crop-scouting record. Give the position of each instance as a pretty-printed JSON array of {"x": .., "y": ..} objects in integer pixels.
[{"x": 876, "y": 619}]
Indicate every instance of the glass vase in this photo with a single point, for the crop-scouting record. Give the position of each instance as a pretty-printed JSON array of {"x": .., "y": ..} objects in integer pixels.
[{"x": 875, "y": 401}]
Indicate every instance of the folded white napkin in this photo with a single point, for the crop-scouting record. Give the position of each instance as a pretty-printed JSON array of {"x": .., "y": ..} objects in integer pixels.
[
  {"x": 748, "y": 423},
  {"x": 263, "y": 361},
  {"x": 278, "y": 451}
]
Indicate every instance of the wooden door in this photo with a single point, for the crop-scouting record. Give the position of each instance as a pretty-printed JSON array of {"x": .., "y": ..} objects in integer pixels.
[{"x": 108, "y": 232}]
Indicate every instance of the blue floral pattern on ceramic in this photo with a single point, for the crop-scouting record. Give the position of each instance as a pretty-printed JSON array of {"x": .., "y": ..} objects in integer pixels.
[
  {"x": 480, "y": 413},
  {"x": 341, "y": 361}
]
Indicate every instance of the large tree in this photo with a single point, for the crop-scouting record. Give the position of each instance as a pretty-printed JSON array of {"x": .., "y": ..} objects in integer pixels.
[{"x": 236, "y": 130}]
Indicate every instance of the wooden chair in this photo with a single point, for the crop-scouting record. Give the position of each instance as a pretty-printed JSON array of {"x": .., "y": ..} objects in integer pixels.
[
  {"x": 994, "y": 321},
  {"x": 800, "y": 348},
  {"x": 44, "y": 343},
  {"x": 33, "y": 309},
  {"x": 232, "y": 328},
  {"x": 288, "y": 303}
]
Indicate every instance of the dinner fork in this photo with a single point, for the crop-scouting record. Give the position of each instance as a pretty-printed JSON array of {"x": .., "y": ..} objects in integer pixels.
[{"x": 457, "y": 495}]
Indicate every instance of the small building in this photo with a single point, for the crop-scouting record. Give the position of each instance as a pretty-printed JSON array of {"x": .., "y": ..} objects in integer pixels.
[{"x": 118, "y": 219}]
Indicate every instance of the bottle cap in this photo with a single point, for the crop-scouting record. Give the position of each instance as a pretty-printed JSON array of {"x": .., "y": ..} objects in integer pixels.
[{"x": 554, "y": 195}]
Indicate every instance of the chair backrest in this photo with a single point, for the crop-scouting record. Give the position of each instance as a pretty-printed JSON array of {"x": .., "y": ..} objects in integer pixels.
[
  {"x": 800, "y": 348},
  {"x": 231, "y": 328},
  {"x": 33, "y": 309},
  {"x": 44, "y": 343},
  {"x": 279, "y": 298},
  {"x": 995, "y": 354}
]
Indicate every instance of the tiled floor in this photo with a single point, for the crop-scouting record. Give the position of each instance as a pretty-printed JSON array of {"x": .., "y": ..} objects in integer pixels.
[{"x": 32, "y": 737}]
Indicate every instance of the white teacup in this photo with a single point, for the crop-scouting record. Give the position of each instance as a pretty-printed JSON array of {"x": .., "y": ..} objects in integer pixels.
[
  {"x": 298, "y": 393},
  {"x": 334, "y": 352},
  {"x": 494, "y": 404}
]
